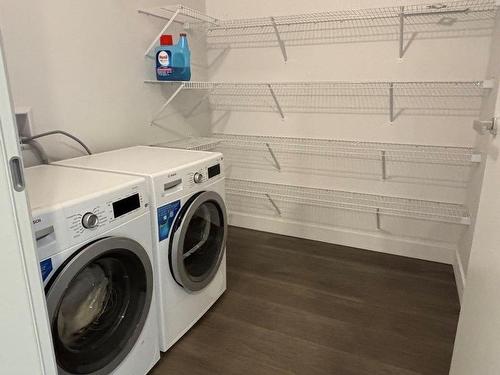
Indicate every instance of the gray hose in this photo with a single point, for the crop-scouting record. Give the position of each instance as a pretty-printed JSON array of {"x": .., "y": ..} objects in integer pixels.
[
  {"x": 38, "y": 149},
  {"x": 28, "y": 139}
]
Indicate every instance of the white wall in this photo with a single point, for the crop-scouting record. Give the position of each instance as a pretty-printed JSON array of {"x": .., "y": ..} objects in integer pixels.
[
  {"x": 460, "y": 55},
  {"x": 80, "y": 66},
  {"x": 478, "y": 338}
]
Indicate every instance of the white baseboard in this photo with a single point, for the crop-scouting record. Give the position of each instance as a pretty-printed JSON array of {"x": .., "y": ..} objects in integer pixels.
[
  {"x": 375, "y": 241},
  {"x": 458, "y": 269}
]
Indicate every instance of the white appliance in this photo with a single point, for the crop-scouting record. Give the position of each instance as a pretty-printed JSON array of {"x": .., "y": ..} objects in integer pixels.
[
  {"x": 187, "y": 192},
  {"x": 94, "y": 245}
]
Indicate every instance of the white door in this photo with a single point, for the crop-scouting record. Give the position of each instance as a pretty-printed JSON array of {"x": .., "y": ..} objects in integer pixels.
[
  {"x": 477, "y": 346},
  {"x": 25, "y": 340}
]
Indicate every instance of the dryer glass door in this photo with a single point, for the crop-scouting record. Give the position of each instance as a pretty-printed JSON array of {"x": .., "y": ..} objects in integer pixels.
[
  {"x": 98, "y": 304},
  {"x": 199, "y": 241}
]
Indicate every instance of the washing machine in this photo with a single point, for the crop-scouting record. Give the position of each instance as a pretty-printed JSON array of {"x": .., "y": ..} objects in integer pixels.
[
  {"x": 94, "y": 245},
  {"x": 187, "y": 192}
]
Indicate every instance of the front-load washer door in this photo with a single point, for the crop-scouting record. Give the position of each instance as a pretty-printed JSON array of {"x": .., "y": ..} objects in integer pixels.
[
  {"x": 98, "y": 303},
  {"x": 198, "y": 241}
]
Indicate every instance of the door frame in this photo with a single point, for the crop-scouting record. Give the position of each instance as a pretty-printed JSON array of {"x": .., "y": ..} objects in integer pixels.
[{"x": 26, "y": 345}]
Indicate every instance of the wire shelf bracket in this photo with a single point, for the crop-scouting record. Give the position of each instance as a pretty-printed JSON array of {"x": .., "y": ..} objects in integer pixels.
[
  {"x": 278, "y": 211},
  {"x": 172, "y": 14},
  {"x": 377, "y": 219},
  {"x": 391, "y": 102},
  {"x": 383, "y": 160},
  {"x": 275, "y": 98},
  {"x": 155, "y": 40},
  {"x": 276, "y": 162},
  {"x": 280, "y": 41},
  {"x": 169, "y": 100}
]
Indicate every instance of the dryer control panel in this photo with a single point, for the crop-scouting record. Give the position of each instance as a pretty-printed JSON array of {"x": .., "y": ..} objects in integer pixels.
[
  {"x": 203, "y": 174},
  {"x": 182, "y": 181}
]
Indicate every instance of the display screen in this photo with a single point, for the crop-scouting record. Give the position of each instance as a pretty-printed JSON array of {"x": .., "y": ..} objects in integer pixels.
[
  {"x": 214, "y": 171},
  {"x": 126, "y": 205}
]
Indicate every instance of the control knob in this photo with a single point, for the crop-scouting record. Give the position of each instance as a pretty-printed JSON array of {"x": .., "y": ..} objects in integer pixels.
[
  {"x": 90, "y": 220},
  {"x": 198, "y": 178}
]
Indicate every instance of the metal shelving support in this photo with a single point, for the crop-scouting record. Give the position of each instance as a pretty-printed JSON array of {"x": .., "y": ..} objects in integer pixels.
[
  {"x": 280, "y": 41},
  {"x": 278, "y": 106},
  {"x": 383, "y": 164},
  {"x": 378, "y": 205},
  {"x": 169, "y": 100},
  {"x": 173, "y": 14},
  {"x": 377, "y": 217},
  {"x": 391, "y": 102},
  {"x": 401, "y": 32},
  {"x": 276, "y": 162},
  {"x": 278, "y": 211}
]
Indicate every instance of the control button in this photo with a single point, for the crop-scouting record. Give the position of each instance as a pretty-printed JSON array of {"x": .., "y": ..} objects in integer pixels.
[
  {"x": 198, "y": 178},
  {"x": 90, "y": 220}
]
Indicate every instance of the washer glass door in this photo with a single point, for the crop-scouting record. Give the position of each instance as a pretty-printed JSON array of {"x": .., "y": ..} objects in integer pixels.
[
  {"x": 98, "y": 304},
  {"x": 199, "y": 241}
]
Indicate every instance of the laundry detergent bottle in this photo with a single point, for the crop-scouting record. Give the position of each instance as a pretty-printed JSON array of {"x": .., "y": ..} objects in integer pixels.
[
  {"x": 173, "y": 62},
  {"x": 163, "y": 58},
  {"x": 182, "y": 59}
]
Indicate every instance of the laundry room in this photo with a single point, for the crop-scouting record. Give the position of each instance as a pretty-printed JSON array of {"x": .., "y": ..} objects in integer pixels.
[{"x": 269, "y": 187}]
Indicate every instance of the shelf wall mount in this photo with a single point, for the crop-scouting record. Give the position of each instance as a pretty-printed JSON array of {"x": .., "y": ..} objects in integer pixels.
[{"x": 490, "y": 126}]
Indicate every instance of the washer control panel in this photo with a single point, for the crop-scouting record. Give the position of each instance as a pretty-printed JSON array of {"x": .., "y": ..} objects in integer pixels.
[
  {"x": 98, "y": 215},
  {"x": 90, "y": 220},
  {"x": 198, "y": 178}
]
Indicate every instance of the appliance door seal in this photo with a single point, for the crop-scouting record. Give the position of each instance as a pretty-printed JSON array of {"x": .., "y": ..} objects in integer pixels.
[
  {"x": 98, "y": 303},
  {"x": 199, "y": 240}
]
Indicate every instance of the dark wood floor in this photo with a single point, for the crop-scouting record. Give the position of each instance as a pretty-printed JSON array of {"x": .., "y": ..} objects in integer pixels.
[{"x": 295, "y": 306}]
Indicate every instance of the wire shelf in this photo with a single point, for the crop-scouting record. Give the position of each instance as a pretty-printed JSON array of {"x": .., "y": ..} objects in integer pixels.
[
  {"x": 466, "y": 18},
  {"x": 280, "y": 197},
  {"x": 467, "y": 7},
  {"x": 192, "y": 143},
  {"x": 449, "y": 19},
  {"x": 431, "y": 98},
  {"x": 184, "y": 13},
  {"x": 327, "y": 148}
]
